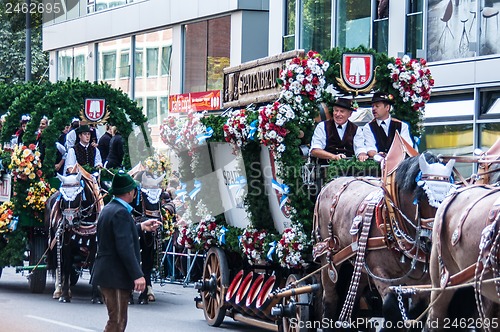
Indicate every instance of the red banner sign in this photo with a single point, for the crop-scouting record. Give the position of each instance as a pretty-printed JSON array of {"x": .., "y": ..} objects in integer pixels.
[{"x": 199, "y": 101}]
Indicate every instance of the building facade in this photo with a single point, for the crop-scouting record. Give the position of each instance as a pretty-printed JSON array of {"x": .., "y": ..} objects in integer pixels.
[{"x": 152, "y": 49}]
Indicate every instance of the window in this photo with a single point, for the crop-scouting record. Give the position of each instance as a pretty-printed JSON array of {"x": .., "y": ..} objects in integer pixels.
[
  {"x": 152, "y": 110},
  {"x": 109, "y": 66},
  {"x": 114, "y": 63},
  {"x": 152, "y": 67},
  {"x": 316, "y": 26},
  {"x": 79, "y": 67},
  {"x": 414, "y": 27},
  {"x": 65, "y": 64},
  {"x": 353, "y": 23},
  {"x": 138, "y": 62},
  {"x": 489, "y": 118},
  {"x": 164, "y": 107},
  {"x": 289, "y": 33},
  {"x": 205, "y": 58},
  {"x": 152, "y": 62},
  {"x": 124, "y": 63},
  {"x": 166, "y": 53},
  {"x": 71, "y": 63},
  {"x": 381, "y": 27}
]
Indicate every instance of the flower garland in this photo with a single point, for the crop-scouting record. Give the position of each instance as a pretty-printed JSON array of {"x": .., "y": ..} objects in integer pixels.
[
  {"x": 169, "y": 226},
  {"x": 203, "y": 235},
  {"x": 291, "y": 248},
  {"x": 303, "y": 79},
  {"x": 25, "y": 162},
  {"x": 253, "y": 243},
  {"x": 241, "y": 126},
  {"x": 38, "y": 193},
  {"x": 272, "y": 126},
  {"x": 6, "y": 216},
  {"x": 413, "y": 79},
  {"x": 183, "y": 134}
]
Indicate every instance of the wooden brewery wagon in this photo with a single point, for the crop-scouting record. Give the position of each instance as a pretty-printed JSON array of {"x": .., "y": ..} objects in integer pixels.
[
  {"x": 255, "y": 293},
  {"x": 27, "y": 240}
]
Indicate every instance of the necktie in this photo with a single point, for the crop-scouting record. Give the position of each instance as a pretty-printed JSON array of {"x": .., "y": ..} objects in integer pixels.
[
  {"x": 382, "y": 123},
  {"x": 339, "y": 126}
]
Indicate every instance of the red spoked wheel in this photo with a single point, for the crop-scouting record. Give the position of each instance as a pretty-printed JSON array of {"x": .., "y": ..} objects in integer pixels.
[{"x": 216, "y": 280}]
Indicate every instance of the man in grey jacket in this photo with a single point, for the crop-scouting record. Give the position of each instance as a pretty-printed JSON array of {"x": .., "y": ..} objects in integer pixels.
[{"x": 117, "y": 267}]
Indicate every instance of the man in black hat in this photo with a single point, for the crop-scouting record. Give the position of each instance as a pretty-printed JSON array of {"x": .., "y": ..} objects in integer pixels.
[
  {"x": 338, "y": 138},
  {"x": 379, "y": 133},
  {"x": 83, "y": 152},
  {"x": 117, "y": 268}
]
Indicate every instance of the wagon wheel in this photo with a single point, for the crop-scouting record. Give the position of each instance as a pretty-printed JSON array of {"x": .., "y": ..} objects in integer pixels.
[
  {"x": 216, "y": 279},
  {"x": 298, "y": 306},
  {"x": 38, "y": 277}
]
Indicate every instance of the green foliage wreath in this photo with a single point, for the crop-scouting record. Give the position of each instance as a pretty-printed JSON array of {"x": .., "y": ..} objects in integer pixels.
[{"x": 401, "y": 109}]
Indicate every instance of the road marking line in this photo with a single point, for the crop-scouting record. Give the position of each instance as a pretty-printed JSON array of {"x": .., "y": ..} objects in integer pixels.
[{"x": 60, "y": 323}]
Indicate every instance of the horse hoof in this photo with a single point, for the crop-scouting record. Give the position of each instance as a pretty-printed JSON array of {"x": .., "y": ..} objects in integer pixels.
[
  {"x": 65, "y": 299},
  {"x": 143, "y": 301},
  {"x": 151, "y": 298},
  {"x": 96, "y": 300},
  {"x": 131, "y": 301}
]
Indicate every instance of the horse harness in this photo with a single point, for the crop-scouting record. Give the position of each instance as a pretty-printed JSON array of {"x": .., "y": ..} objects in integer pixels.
[{"x": 489, "y": 242}]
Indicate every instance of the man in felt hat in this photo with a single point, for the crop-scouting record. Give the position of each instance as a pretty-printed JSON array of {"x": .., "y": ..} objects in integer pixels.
[
  {"x": 338, "y": 138},
  {"x": 117, "y": 268},
  {"x": 83, "y": 152},
  {"x": 379, "y": 133}
]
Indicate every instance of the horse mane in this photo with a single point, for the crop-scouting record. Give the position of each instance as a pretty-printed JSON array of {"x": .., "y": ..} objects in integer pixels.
[
  {"x": 408, "y": 171},
  {"x": 495, "y": 175}
]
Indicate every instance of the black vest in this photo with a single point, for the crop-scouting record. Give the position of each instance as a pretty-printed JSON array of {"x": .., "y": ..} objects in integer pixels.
[
  {"x": 383, "y": 142},
  {"x": 336, "y": 145},
  {"x": 85, "y": 156}
]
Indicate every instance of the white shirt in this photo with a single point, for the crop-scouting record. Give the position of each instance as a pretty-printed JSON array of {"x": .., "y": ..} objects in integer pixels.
[
  {"x": 319, "y": 138},
  {"x": 71, "y": 158},
  {"x": 70, "y": 139},
  {"x": 370, "y": 143}
]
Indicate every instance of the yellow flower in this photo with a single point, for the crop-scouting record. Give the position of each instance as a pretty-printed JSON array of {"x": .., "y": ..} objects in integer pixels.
[{"x": 31, "y": 176}]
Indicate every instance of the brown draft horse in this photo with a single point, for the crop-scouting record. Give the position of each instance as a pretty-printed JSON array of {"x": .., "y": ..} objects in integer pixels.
[
  {"x": 466, "y": 247},
  {"x": 71, "y": 219},
  {"x": 381, "y": 231}
]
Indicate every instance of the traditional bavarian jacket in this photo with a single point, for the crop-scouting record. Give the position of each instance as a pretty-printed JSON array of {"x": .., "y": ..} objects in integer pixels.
[{"x": 376, "y": 138}]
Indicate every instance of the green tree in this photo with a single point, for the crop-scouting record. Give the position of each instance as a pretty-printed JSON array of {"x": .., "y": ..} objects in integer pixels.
[{"x": 13, "y": 45}]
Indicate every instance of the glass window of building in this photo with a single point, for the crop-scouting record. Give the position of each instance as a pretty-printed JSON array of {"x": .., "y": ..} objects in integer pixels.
[
  {"x": 381, "y": 27},
  {"x": 98, "y": 5},
  {"x": 152, "y": 110},
  {"x": 113, "y": 63},
  {"x": 489, "y": 118},
  {"x": 65, "y": 64},
  {"x": 353, "y": 23},
  {"x": 452, "y": 30},
  {"x": 316, "y": 27},
  {"x": 448, "y": 127},
  {"x": 414, "y": 27},
  {"x": 124, "y": 63},
  {"x": 206, "y": 54},
  {"x": 166, "y": 54},
  {"x": 289, "y": 31},
  {"x": 71, "y": 63},
  {"x": 109, "y": 65},
  {"x": 152, "y": 66},
  {"x": 152, "y": 61}
]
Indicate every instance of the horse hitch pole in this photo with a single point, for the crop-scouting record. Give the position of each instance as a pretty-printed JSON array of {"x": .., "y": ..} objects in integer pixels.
[{"x": 276, "y": 297}]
